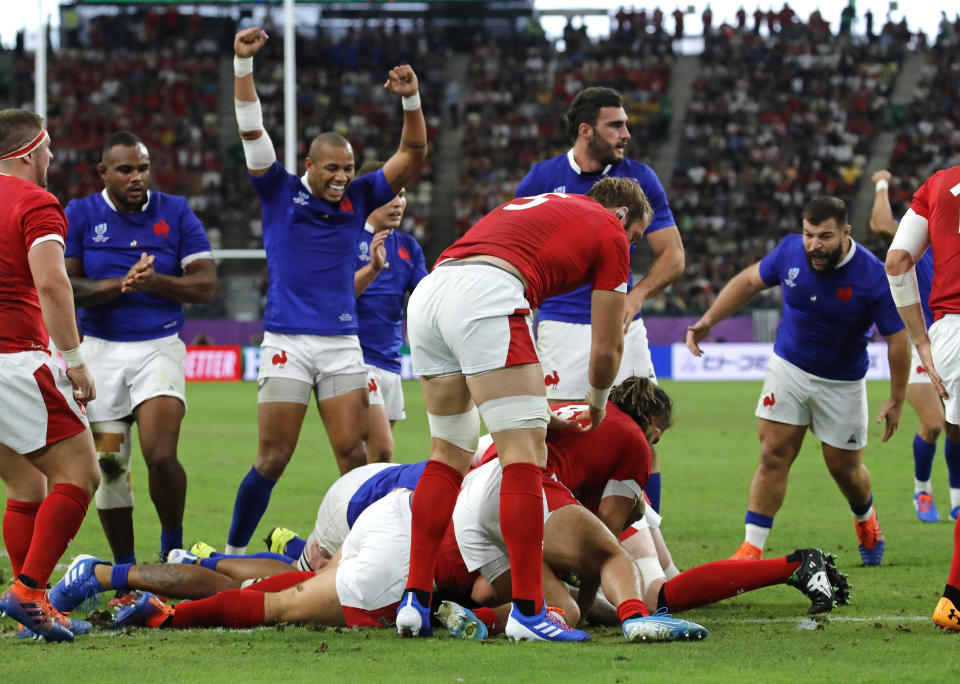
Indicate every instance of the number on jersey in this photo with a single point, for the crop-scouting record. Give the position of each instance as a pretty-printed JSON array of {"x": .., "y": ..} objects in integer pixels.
[{"x": 534, "y": 201}]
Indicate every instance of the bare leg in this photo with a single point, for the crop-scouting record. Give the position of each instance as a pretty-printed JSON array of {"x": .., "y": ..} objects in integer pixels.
[
  {"x": 346, "y": 421},
  {"x": 313, "y": 602}
]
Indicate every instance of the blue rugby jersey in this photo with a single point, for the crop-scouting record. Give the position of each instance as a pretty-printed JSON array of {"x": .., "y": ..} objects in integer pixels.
[
  {"x": 380, "y": 306},
  {"x": 925, "y": 281},
  {"x": 827, "y": 316},
  {"x": 406, "y": 475},
  {"x": 311, "y": 246},
  {"x": 109, "y": 242},
  {"x": 561, "y": 174}
]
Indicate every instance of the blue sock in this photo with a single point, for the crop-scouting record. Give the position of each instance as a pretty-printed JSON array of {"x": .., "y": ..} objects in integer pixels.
[
  {"x": 923, "y": 453},
  {"x": 118, "y": 576},
  {"x": 294, "y": 548},
  {"x": 952, "y": 451},
  {"x": 210, "y": 563},
  {"x": 864, "y": 509},
  {"x": 652, "y": 490},
  {"x": 125, "y": 559},
  {"x": 758, "y": 519},
  {"x": 171, "y": 540},
  {"x": 253, "y": 496},
  {"x": 263, "y": 554}
]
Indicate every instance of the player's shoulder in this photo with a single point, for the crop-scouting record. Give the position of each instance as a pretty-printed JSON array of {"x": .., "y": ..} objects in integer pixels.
[
  {"x": 867, "y": 261},
  {"x": 32, "y": 196},
  {"x": 546, "y": 170},
  {"x": 631, "y": 168}
]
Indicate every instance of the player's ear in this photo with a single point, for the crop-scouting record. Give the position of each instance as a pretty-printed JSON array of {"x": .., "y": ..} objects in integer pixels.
[
  {"x": 621, "y": 213},
  {"x": 584, "y": 130},
  {"x": 102, "y": 170}
]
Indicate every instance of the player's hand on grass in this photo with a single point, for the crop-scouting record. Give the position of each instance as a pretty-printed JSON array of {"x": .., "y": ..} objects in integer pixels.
[
  {"x": 248, "y": 42},
  {"x": 890, "y": 415},
  {"x": 402, "y": 81},
  {"x": 378, "y": 253},
  {"x": 926, "y": 358},
  {"x": 696, "y": 333},
  {"x": 82, "y": 382}
]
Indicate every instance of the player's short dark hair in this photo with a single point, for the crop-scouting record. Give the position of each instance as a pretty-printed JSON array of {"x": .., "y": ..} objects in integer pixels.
[
  {"x": 826, "y": 208},
  {"x": 17, "y": 128},
  {"x": 121, "y": 139},
  {"x": 644, "y": 401},
  {"x": 370, "y": 167},
  {"x": 622, "y": 192},
  {"x": 586, "y": 107},
  {"x": 331, "y": 138}
]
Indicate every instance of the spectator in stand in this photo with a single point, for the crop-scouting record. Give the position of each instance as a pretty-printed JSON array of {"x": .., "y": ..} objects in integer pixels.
[{"x": 678, "y": 23}]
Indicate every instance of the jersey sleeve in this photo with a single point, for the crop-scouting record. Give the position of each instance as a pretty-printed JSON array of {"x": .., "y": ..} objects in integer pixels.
[
  {"x": 632, "y": 468},
  {"x": 614, "y": 269},
  {"x": 527, "y": 186},
  {"x": 374, "y": 190},
  {"x": 770, "y": 266},
  {"x": 43, "y": 220},
  {"x": 194, "y": 243},
  {"x": 921, "y": 199},
  {"x": 270, "y": 183},
  {"x": 75, "y": 231},
  {"x": 419, "y": 270},
  {"x": 657, "y": 196}
]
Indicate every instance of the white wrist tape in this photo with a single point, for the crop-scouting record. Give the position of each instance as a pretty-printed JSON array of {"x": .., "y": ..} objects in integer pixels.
[
  {"x": 913, "y": 235},
  {"x": 412, "y": 102},
  {"x": 242, "y": 66},
  {"x": 882, "y": 184},
  {"x": 259, "y": 153},
  {"x": 72, "y": 357},
  {"x": 249, "y": 115},
  {"x": 597, "y": 398},
  {"x": 904, "y": 288}
]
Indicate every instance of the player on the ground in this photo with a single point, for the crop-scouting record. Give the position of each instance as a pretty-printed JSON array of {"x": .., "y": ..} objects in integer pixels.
[
  {"x": 47, "y": 459},
  {"x": 311, "y": 228},
  {"x": 833, "y": 293},
  {"x": 134, "y": 256},
  {"x": 920, "y": 391},
  {"x": 933, "y": 220},
  {"x": 472, "y": 346},
  {"x": 597, "y": 125},
  {"x": 390, "y": 263}
]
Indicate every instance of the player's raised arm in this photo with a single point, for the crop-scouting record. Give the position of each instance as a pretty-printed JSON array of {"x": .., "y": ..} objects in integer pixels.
[
  {"x": 734, "y": 296},
  {"x": 882, "y": 222},
  {"x": 409, "y": 157},
  {"x": 257, "y": 146}
]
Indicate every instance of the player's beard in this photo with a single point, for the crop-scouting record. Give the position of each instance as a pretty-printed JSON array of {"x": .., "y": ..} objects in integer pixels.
[
  {"x": 833, "y": 258},
  {"x": 602, "y": 151}
]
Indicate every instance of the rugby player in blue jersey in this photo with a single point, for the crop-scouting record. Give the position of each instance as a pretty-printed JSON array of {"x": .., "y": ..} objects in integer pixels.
[
  {"x": 833, "y": 293},
  {"x": 134, "y": 255},
  {"x": 597, "y": 125},
  {"x": 390, "y": 263},
  {"x": 311, "y": 227},
  {"x": 921, "y": 393}
]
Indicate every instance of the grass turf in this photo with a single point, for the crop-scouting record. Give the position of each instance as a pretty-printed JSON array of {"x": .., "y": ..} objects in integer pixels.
[{"x": 707, "y": 459}]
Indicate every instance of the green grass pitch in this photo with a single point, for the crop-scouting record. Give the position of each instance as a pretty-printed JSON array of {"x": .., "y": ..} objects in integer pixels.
[{"x": 707, "y": 458}]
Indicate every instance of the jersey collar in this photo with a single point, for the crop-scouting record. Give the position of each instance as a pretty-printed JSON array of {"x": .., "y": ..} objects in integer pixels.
[
  {"x": 370, "y": 229},
  {"x": 576, "y": 167},
  {"x": 303, "y": 179},
  {"x": 850, "y": 252},
  {"x": 106, "y": 198}
]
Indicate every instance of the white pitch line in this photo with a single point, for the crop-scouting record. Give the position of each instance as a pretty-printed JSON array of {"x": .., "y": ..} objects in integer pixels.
[{"x": 825, "y": 618}]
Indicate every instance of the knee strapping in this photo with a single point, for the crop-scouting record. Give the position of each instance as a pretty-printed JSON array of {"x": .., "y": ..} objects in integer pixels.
[
  {"x": 461, "y": 430},
  {"x": 515, "y": 413},
  {"x": 112, "y": 439}
]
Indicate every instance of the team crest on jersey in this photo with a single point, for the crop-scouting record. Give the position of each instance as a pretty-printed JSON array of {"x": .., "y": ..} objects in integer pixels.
[
  {"x": 346, "y": 205},
  {"x": 364, "y": 252},
  {"x": 302, "y": 198},
  {"x": 560, "y": 188},
  {"x": 404, "y": 254},
  {"x": 100, "y": 233},
  {"x": 791, "y": 277}
]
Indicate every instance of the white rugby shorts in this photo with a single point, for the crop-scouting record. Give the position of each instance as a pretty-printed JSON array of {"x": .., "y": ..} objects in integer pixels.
[
  {"x": 312, "y": 359},
  {"x": 375, "y": 558},
  {"x": 918, "y": 374},
  {"x": 564, "y": 350},
  {"x": 126, "y": 374},
  {"x": 386, "y": 389},
  {"x": 835, "y": 410},
  {"x": 331, "y": 527},
  {"x": 470, "y": 318},
  {"x": 945, "y": 348},
  {"x": 37, "y": 406}
]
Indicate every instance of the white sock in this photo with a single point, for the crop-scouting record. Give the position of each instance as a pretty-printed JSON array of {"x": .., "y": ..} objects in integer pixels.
[
  {"x": 922, "y": 487},
  {"x": 865, "y": 517},
  {"x": 756, "y": 535},
  {"x": 671, "y": 571},
  {"x": 954, "y": 497},
  {"x": 235, "y": 550}
]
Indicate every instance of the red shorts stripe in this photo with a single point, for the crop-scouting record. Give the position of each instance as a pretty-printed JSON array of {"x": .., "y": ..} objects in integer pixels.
[
  {"x": 521, "y": 350},
  {"x": 381, "y": 617},
  {"x": 62, "y": 422}
]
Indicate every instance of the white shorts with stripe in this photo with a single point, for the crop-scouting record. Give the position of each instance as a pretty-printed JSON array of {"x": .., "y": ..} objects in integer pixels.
[
  {"x": 470, "y": 318},
  {"x": 918, "y": 374},
  {"x": 126, "y": 374},
  {"x": 835, "y": 410},
  {"x": 945, "y": 348},
  {"x": 564, "y": 350},
  {"x": 37, "y": 406},
  {"x": 386, "y": 389}
]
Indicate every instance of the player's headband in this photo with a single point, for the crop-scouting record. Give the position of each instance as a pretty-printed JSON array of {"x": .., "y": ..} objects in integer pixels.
[{"x": 24, "y": 150}]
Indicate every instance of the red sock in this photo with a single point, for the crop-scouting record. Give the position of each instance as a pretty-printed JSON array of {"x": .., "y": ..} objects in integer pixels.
[
  {"x": 487, "y": 617},
  {"x": 58, "y": 519},
  {"x": 954, "y": 578},
  {"x": 269, "y": 585},
  {"x": 521, "y": 523},
  {"x": 18, "y": 520},
  {"x": 234, "y": 608},
  {"x": 716, "y": 581},
  {"x": 630, "y": 608},
  {"x": 433, "y": 502}
]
